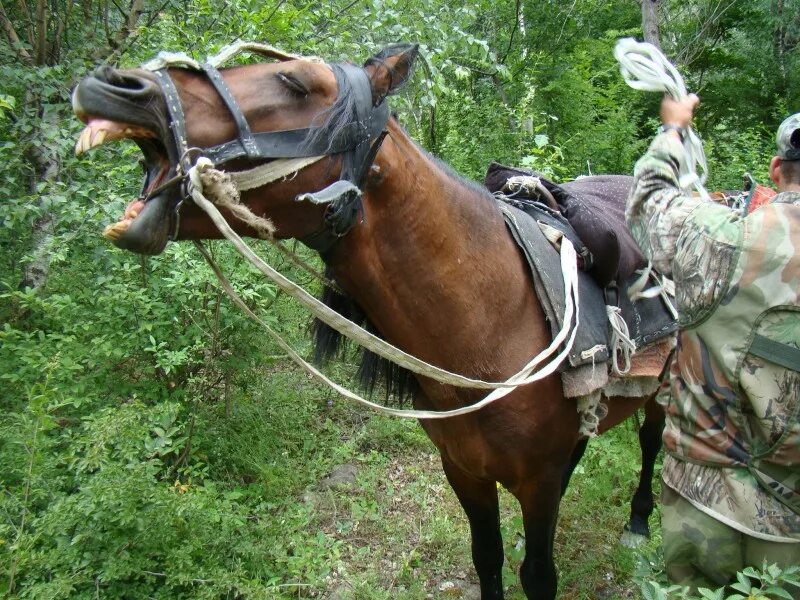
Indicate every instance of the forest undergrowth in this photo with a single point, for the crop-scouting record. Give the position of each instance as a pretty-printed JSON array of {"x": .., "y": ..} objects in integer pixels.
[{"x": 154, "y": 444}]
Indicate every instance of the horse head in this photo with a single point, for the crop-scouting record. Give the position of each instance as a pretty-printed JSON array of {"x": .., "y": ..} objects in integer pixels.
[{"x": 240, "y": 117}]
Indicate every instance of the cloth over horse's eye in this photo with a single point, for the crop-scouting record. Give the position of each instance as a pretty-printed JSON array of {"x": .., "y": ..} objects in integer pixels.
[{"x": 291, "y": 82}]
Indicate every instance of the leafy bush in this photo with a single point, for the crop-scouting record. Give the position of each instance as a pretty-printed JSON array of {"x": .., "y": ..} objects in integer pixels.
[
  {"x": 768, "y": 583},
  {"x": 144, "y": 450}
]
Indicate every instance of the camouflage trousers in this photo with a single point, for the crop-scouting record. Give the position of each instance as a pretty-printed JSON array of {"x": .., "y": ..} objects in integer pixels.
[{"x": 700, "y": 551}]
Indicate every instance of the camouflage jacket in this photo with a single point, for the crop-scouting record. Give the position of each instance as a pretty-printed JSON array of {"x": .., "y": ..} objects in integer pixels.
[{"x": 733, "y": 431}]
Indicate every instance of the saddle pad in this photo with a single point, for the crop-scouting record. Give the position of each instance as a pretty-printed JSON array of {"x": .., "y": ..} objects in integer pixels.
[
  {"x": 595, "y": 206},
  {"x": 648, "y": 319},
  {"x": 548, "y": 282}
]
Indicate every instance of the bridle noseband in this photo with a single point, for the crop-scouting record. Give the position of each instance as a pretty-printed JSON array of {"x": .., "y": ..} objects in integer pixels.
[{"x": 358, "y": 141}]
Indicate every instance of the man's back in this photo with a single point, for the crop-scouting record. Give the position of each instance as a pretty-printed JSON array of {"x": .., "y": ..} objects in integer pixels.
[{"x": 733, "y": 406}]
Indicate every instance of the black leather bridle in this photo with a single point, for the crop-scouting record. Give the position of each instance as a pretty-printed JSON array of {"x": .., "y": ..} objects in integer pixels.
[{"x": 358, "y": 142}]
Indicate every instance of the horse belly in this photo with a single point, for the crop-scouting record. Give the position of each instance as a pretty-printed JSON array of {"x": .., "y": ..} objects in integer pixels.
[{"x": 531, "y": 429}]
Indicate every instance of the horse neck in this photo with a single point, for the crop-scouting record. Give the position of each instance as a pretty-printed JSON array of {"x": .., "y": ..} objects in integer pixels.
[{"x": 429, "y": 259}]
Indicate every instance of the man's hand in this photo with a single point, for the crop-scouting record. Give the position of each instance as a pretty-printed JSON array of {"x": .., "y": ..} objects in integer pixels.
[{"x": 678, "y": 113}]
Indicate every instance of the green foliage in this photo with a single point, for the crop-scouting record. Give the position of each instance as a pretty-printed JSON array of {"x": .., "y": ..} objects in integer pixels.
[
  {"x": 732, "y": 153},
  {"x": 770, "y": 582},
  {"x": 145, "y": 453}
]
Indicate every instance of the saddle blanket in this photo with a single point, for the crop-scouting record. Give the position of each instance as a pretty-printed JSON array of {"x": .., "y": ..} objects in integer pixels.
[
  {"x": 649, "y": 320},
  {"x": 594, "y": 207}
]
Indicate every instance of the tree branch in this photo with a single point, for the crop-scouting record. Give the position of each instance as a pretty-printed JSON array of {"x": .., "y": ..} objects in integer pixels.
[
  {"x": 513, "y": 31},
  {"x": 137, "y": 7},
  {"x": 13, "y": 38},
  {"x": 128, "y": 33},
  {"x": 695, "y": 47},
  {"x": 274, "y": 10},
  {"x": 323, "y": 26},
  {"x": 122, "y": 13}
]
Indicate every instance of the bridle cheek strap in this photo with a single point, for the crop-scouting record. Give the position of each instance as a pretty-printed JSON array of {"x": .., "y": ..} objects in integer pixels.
[
  {"x": 357, "y": 140},
  {"x": 344, "y": 198},
  {"x": 245, "y": 135},
  {"x": 178, "y": 127}
]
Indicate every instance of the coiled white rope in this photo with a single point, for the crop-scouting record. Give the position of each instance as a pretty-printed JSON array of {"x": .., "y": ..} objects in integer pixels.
[
  {"x": 621, "y": 343},
  {"x": 379, "y": 346},
  {"x": 644, "y": 67}
]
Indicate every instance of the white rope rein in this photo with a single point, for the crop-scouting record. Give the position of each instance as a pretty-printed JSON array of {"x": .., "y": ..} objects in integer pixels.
[
  {"x": 280, "y": 169},
  {"x": 644, "y": 67},
  {"x": 348, "y": 328}
]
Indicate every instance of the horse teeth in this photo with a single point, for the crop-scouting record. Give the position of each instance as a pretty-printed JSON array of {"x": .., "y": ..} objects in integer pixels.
[
  {"x": 110, "y": 233},
  {"x": 82, "y": 145},
  {"x": 114, "y": 231},
  {"x": 98, "y": 138}
]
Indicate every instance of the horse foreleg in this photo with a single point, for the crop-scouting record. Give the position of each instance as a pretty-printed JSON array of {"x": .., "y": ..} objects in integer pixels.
[
  {"x": 642, "y": 503},
  {"x": 539, "y": 501},
  {"x": 574, "y": 459},
  {"x": 479, "y": 500}
]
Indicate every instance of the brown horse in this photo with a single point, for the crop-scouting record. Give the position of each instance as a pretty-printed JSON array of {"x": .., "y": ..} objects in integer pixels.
[{"x": 425, "y": 255}]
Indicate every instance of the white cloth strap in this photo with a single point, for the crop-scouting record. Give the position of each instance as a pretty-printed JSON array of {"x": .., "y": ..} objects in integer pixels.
[{"x": 348, "y": 328}]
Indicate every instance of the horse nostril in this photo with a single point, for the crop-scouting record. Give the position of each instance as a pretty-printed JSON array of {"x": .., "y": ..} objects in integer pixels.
[{"x": 121, "y": 80}]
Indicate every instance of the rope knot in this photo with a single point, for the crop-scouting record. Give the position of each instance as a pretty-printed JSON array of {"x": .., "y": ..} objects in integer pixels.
[{"x": 220, "y": 189}]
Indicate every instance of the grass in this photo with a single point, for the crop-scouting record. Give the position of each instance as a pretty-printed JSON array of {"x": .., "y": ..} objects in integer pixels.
[{"x": 397, "y": 530}]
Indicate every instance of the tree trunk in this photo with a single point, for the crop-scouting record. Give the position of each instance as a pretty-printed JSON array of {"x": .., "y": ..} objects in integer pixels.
[
  {"x": 650, "y": 22},
  {"x": 779, "y": 45},
  {"x": 47, "y": 34},
  {"x": 13, "y": 37},
  {"x": 47, "y": 168},
  {"x": 512, "y": 126}
]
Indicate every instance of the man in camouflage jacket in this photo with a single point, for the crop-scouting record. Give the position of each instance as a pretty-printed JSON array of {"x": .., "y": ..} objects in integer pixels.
[{"x": 731, "y": 494}]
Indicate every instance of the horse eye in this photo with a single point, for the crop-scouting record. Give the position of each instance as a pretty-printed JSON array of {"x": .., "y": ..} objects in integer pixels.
[{"x": 291, "y": 82}]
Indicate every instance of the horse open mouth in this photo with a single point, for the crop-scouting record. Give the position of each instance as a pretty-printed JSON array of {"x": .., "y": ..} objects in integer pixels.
[{"x": 117, "y": 106}]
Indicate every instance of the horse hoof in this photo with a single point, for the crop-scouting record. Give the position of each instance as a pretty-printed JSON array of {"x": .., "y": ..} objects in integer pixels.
[{"x": 629, "y": 539}]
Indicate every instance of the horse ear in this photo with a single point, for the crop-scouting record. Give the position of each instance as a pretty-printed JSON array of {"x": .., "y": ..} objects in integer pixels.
[{"x": 390, "y": 69}]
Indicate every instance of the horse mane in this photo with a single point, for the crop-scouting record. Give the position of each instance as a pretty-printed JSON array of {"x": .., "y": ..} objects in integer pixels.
[
  {"x": 329, "y": 123},
  {"x": 373, "y": 370}
]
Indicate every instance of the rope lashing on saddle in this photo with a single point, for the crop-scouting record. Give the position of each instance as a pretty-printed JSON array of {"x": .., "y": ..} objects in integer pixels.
[
  {"x": 622, "y": 346},
  {"x": 203, "y": 170},
  {"x": 532, "y": 186},
  {"x": 644, "y": 67}
]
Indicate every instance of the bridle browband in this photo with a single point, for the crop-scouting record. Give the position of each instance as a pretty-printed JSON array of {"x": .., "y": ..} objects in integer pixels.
[{"x": 358, "y": 141}]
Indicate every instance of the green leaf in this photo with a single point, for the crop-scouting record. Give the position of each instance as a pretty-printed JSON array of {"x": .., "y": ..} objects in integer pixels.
[
  {"x": 777, "y": 592},
  {"x": 7, "y": 103},
  {"x": 649, "y": 589},
  {"x": 744, "y": 587}
]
